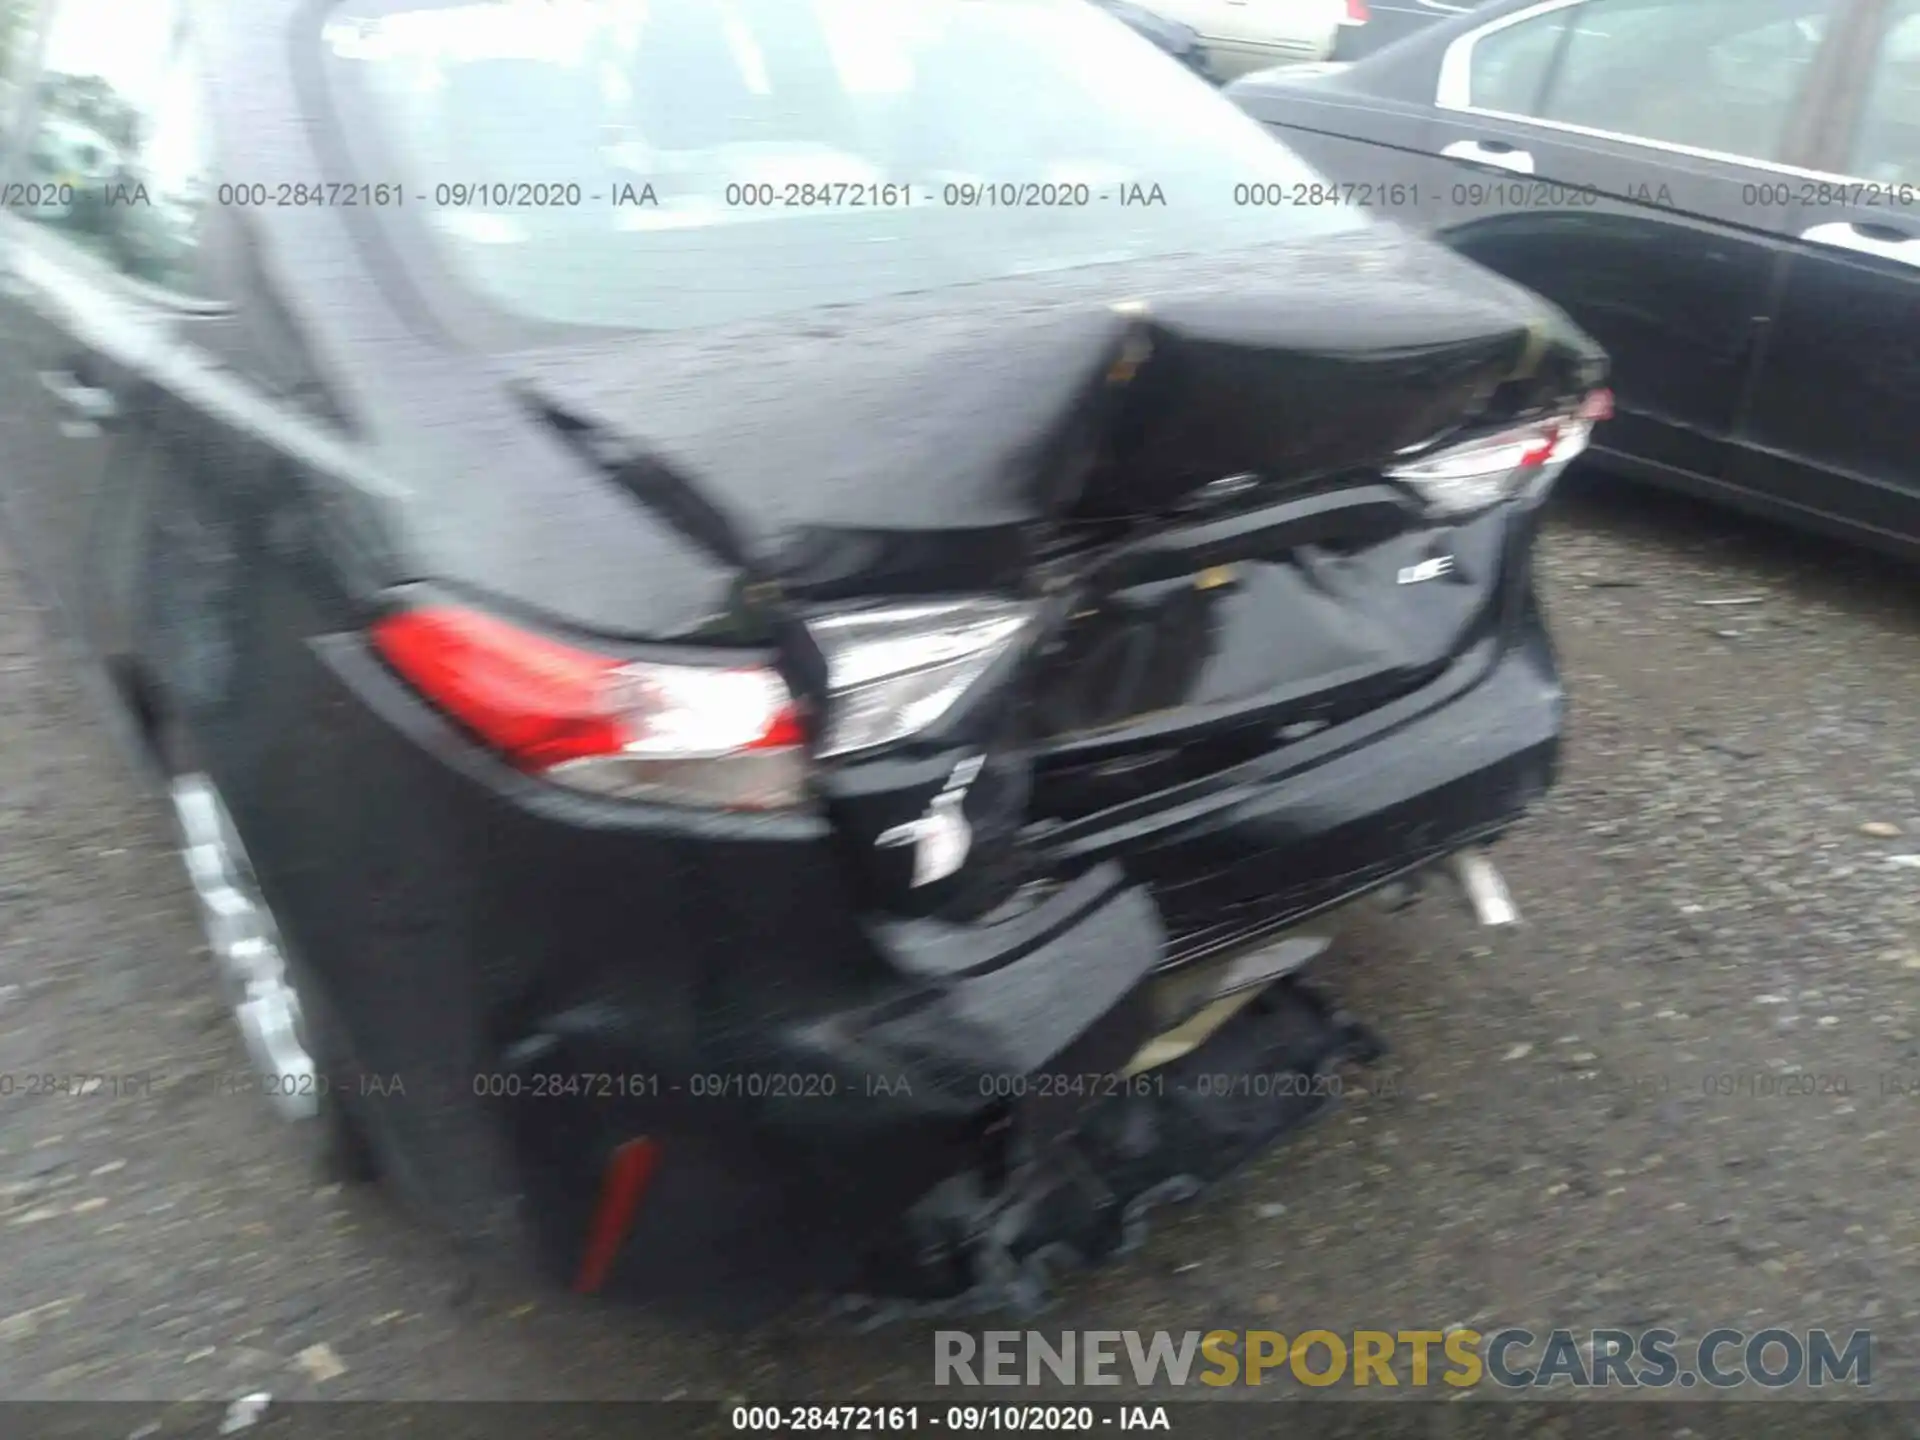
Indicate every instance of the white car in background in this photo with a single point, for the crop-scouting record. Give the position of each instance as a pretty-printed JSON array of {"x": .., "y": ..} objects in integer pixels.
[{"x": 1240, "y": 36}]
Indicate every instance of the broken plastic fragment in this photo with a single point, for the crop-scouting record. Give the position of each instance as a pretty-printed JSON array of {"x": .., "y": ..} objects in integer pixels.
[{"x": 969, "y": 1247}]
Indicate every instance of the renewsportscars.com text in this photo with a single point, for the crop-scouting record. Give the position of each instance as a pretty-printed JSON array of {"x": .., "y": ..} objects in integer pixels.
[{"x": 1512, "y": 1358}]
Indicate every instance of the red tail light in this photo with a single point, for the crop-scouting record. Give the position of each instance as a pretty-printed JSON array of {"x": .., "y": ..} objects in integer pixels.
[
  {"x": 1357, "y": 12},
  {"x": 535, "y": 700},
  {"x": 706, "y": 734}
]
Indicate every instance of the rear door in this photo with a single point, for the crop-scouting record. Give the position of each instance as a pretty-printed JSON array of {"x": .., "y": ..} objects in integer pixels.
[
  {"x": 1832, "y": 429},
  {"x": 1613, "y": 154}
]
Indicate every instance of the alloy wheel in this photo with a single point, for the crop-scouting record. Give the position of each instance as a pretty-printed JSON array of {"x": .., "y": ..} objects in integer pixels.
[{"x": 247, "y": 948}]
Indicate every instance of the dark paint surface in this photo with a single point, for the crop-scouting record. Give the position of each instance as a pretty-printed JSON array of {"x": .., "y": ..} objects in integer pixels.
[
  {"x": 1750, "y": 365},
  {"x": 276, "y": 472},
  {"x": 994, "y": 411}
]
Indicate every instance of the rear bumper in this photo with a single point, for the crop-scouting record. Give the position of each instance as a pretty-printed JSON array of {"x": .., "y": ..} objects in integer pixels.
[
  {"x": 535, "y": 979},
  {"x": 1309, "y": 827},
  {"x": 1232, "y": 57}
]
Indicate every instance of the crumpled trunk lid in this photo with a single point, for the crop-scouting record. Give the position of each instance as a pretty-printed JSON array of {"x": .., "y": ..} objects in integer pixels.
[
  {"x": 940, "y": 441},
  {"x": 1181, "y": 459}
]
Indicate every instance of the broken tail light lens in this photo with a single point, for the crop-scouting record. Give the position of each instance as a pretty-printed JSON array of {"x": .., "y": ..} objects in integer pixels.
[
  {"x": 892, "y": 671},
  {"x": 712, "y": 735},
  {"x": 1462, "y": 479}
]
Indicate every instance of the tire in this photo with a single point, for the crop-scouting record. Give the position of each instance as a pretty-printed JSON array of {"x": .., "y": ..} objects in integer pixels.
[{"x": 346, "y": 1154}]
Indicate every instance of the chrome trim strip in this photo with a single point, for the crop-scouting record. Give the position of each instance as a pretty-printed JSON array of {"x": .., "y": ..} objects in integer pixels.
[
  {"x": 1281, "y": 46},
  {"x": 1771, "y": 167}
]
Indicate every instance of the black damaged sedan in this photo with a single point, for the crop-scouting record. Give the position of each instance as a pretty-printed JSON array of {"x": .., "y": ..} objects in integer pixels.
[{"x": 773, "y": 627}]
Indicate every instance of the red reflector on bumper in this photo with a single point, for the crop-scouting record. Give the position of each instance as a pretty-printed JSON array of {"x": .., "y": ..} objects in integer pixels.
[{"x": 628, "y": 1173}]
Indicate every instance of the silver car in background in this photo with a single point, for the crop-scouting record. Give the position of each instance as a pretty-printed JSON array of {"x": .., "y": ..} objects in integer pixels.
[{"x": 1240, "y": 36}]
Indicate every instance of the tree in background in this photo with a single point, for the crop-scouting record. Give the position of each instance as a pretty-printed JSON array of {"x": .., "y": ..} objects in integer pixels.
[
  {"x": 14, "y": 32},
  {"x": 16, "y": 36}
]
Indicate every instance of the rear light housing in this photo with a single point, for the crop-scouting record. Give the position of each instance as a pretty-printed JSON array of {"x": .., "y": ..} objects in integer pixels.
[
  {"x": 1357, "y": 13},
  {"x": 700, "y": 731},
  {"x": 1464, "y": 479},
  {"x": 713, "y": 735},
  {"x": 894, "y": 670}
]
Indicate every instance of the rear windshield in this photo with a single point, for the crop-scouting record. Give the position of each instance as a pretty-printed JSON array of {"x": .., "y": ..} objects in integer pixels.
[{"x": 661, "y": 164}]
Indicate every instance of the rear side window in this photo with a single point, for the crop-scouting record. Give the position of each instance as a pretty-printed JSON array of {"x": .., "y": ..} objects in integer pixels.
[
  {"x": 117, "y": 160},
  {"x": 1887, "y": 145},
  {"x": 1510, "y": 66},
  {"x": 1721, "y": 75}
]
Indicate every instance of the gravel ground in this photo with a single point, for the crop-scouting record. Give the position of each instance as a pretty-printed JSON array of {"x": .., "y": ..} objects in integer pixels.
[{"x": 1710, "y": 893}]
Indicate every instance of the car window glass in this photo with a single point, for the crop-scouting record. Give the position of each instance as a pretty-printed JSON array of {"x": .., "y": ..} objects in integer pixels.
[
  {"x": 1887, "y": 144},
  {"x": 117, "y": 161},
  {"x": 1509, "y": 66},
  {"x": 1713, "y": 74},
  {"x": 620, "y": 162}
]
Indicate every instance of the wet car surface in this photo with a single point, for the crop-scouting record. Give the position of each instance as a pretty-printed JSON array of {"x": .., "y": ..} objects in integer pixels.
[
  {"x": 1036, "y": 613},
  {"x": 1699, "y": 897},
  {"x": 1741, "y": 834}
]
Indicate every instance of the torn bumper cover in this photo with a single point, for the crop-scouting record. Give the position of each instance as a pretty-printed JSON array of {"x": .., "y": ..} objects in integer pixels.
[
  {"x": 1158, "y": 1137},
  {"x": 965, "y": 1120},
  {"x": 948, "y": 1152}
]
